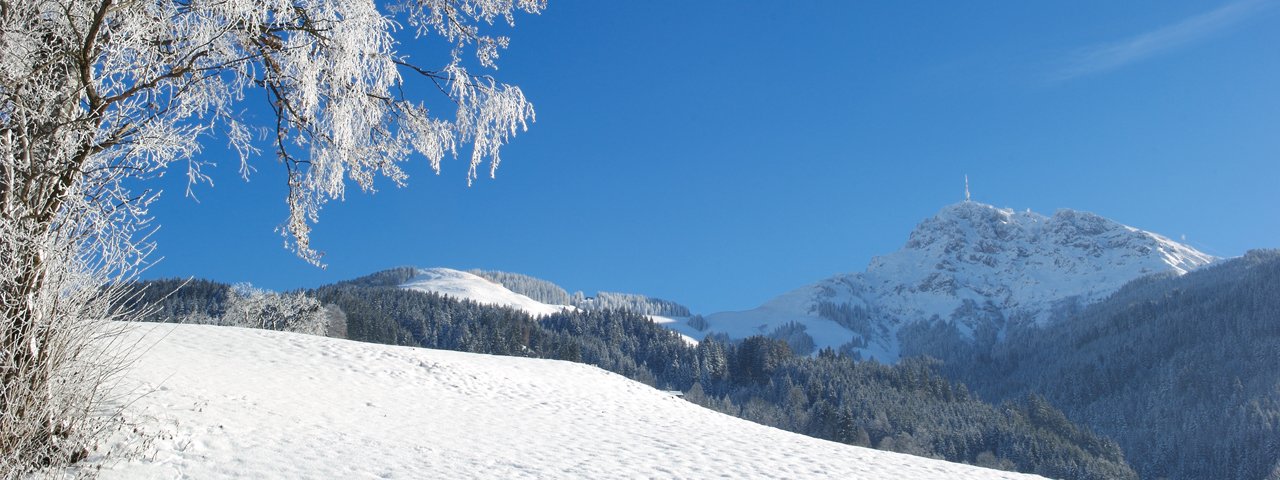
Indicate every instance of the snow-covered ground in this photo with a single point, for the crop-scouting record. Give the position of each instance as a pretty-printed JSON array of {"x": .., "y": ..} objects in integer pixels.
[{"x": 231, "y": 402}]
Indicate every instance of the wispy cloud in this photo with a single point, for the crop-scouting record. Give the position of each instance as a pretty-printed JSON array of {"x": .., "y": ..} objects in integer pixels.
[{"x": 1110, "y": 56}]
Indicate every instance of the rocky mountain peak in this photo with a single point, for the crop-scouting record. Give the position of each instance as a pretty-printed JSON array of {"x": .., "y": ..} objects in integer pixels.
[{"x": 980, "y": 267}]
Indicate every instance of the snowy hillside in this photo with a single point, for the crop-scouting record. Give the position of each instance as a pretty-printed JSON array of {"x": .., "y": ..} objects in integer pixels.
[
  {"x": 463, "y": 285},
  {"x": 470, "y": 286},
  {"x": 679, "y": 325},
  {"x": 979, "y": 267},
  {"x": 229, "y": 402}
]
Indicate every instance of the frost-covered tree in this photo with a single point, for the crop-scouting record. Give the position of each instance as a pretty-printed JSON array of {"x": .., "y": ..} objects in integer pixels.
[
  {"x": 536, "y": 288},
  {"x": 97, "y": 97},
  {"x": 253, "y": 307},
  {"x": 630, "y": 301}
]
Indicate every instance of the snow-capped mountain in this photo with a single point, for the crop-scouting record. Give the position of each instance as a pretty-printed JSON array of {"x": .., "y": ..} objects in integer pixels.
[
  {"x": 980, "y": 268},
  {"x": 463, "y": 285},
  {"x": 225, "y": 402}
]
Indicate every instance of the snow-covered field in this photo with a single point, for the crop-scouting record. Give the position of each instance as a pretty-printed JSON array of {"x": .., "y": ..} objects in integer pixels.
[{"x": 231, "y": 402}]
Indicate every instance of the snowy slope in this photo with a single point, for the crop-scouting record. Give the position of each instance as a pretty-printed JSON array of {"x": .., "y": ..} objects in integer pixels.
[
  {"x": 463, "y": 285},
  {"x": 681, "y": 326},
  {"x": 469, "y": 286},
  {"x": 230, "y": 402},
  {"x": 981, "y": 267}
]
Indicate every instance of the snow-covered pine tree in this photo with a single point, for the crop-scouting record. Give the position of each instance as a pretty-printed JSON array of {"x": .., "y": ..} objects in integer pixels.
[
  {"x": 536, "y": 288},
  {"x": 634, "y": 302}
]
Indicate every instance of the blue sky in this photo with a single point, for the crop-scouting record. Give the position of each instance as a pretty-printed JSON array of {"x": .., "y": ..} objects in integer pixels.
[{"x": 718, "y": 153}]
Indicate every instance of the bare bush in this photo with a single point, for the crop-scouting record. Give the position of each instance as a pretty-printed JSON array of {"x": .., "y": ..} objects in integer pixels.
[{"x": 57, "y": 352}]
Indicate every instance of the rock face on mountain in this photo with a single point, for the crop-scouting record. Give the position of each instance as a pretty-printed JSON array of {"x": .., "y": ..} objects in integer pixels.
[{"x": 973, "y": 268}]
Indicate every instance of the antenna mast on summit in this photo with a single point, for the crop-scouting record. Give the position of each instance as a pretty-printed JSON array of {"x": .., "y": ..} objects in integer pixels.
[{"x": 966, "y": 187}]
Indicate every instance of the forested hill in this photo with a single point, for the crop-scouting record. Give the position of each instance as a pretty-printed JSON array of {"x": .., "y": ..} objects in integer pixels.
[
  {"x": 905, "y": 408},
  {"x": 547, "y": 292},
  {"x": 1181, "y": 371}
]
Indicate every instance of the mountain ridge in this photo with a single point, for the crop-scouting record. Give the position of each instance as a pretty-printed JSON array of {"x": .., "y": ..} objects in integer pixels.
[{"x": 980, "y": 268}]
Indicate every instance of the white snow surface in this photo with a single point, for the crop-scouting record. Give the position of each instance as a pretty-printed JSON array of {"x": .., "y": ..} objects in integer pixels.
[
  {"x": 679, "y": 325},
  {"x": 231, "y": 402},
  {"x": 463, "y": 285},
  {"x": 981, "y": 267}
]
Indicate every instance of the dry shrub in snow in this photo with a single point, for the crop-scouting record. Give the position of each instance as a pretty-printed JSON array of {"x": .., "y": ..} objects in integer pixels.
[{"x": 56, "y": 354}]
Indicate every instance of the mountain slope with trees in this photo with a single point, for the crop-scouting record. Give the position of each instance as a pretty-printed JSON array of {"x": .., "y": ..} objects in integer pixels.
[
  {"x": 1181, "y": 371},
  {"x": 975, "y": 267},
  {"x": 903, "y": 408}
]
